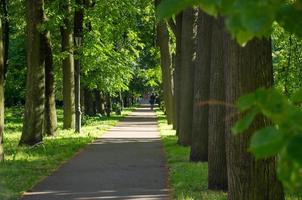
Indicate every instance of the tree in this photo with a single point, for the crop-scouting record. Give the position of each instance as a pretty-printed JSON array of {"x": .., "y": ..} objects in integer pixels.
[
  {"x": 50, "y": 113},
  {"x": 178, "y": 30},
  {"x": 248, "y": 68},
  {"x": 68, "y": 67},
  {"x": 34, "y": 107},
  {"x": 1, "y": 91},
  {"x": 166, "y": 66},
  {"x": 4, "y": 44},
  {"x": 217, "y": 170},
  {"x": 199, "y": 146},
  {"x": 186, "y": 74}
]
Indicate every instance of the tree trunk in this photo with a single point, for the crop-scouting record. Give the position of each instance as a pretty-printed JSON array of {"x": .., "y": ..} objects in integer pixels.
[
  {"x": 4, "y": 44},
  {"x": 199, "y": 146},
  {"x": 50, "y": 113},
  {"x": 5, "y": 31},
  {"x": 217, "y": 171},
  {"x": 177, "y": 72},
  {"x": 247, "y": 69},
  {"x": 163, "y": 41},
  {"x": 68, "y": 68},
  {"x": 186, "y": 77},
  {"x": 34, "y": 107},
  {"x": 108, "y": 105},
  {"x": 89, "y": 102},
  {"x": 98, "y": 105},
  {"x": 1, "y": 91}
]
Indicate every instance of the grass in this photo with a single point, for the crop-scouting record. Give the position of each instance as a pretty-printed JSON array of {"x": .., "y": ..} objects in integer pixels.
[
  {"x": 188, "y": 180},
  {"x": 25, "y": 166}
]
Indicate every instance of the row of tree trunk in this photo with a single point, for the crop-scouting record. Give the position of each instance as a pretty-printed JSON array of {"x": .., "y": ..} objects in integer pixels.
[{"x": 210, "y": 73}]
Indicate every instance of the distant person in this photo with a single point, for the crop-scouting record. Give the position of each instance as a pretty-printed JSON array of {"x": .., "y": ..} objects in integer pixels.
[{"x": 152, "y": 100}]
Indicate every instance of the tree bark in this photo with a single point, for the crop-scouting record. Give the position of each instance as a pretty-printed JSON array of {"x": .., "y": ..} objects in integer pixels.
[
  {"x": 68, "y": 68},
  {"x": 246, "y": 69},
  {"x": 199, "y": 146},
  {"x": 4, "y": 44},
  {"x": 89, "y": 102},
  {"x": 5, "y": 31},
  {"x": 98, "y": 105},
  {"x": 217, "y": 170},
  {"x": 186, "y": 77},
  {"x": 166, "y": 67},
  {"x": 35, "y": 85},
  {"x": 1, "y": 91},
  {"x": 50, "y": 113},
  {"x": 108, "y": 105},
  {"x": 177, "y": 81}
]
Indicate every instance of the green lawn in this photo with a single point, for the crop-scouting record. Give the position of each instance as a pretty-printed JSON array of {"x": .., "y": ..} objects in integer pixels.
[
  {"x": 25, "y": 166},
  {"x": 188, "y": 180}
]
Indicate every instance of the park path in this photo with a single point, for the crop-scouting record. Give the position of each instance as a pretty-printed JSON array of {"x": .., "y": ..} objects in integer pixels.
[{"x": 125, "y": 163}]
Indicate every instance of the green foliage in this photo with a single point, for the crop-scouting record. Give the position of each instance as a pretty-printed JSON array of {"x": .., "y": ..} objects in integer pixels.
[
  {"x": 287, "y": 60},
  {"x": 283, "y": 139},
  {"x": 244, "y": 19}
]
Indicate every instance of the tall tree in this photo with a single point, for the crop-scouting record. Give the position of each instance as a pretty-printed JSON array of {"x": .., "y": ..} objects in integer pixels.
[
  {"x": 199, "y": 146},
  {"x": 34, "y": 107},
  {"x": 1, "y": 91},
  {"x": 50, "y": 113},
  {"x": 186, "y": 77},
  {"x": 178, "y": 30},
  {"x": 166, "y": 66},
  {"x": 246, "y": 69},
  {"x": 68, "y": 67},
  {"x": 4, "y": 43},
  {"x": 217, "y": 170}
]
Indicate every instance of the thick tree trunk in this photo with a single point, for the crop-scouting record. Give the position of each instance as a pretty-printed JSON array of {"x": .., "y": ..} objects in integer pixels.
[
  {"x": 4, "y": 44},
  {"x": 166, "y": 67},
  {"x": 246, "y": 69},
  {"x": 34, "y": 107},
  {"x": 177, "y": 72},
  {"x": 5, "y": 31},
  {"x": 68, "y": 68},
  {"x": 217, "y": 170},
  {"x": 50, "y": 113},
  {"x": 199, "y": 146},
  {"x": 1, "y": 91},
  {"x": 186, "y": 77}
]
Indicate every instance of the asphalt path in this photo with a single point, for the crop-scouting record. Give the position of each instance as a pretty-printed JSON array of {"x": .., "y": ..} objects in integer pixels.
[{"x": 127, "y": 162}]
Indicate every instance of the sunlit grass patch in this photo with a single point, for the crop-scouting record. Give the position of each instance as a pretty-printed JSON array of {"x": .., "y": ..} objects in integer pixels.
[
  {"x": 25, "y": 166},
  {"x": 188, "y": 180}
]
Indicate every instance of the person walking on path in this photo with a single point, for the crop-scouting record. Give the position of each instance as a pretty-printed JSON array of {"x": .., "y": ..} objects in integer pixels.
[{"x": 152, "y": 100}]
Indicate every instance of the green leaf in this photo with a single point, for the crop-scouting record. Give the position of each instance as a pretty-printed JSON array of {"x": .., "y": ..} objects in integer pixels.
[
  {"x": 266, "y": 142},
  {"x": 246, "y": 102},
  {"x": 294, "y": 148},
  {"x": 168, "y": 8},
  {"x": 297, "y": 97},
  {"x": 245, "y": 122},
  {"x": 243, "y": 37}
]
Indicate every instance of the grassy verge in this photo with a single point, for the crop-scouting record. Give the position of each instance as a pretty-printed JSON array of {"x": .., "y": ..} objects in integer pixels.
[
  {"x": 188, "y": 180},
  {"x": 25, "y": 166}
]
